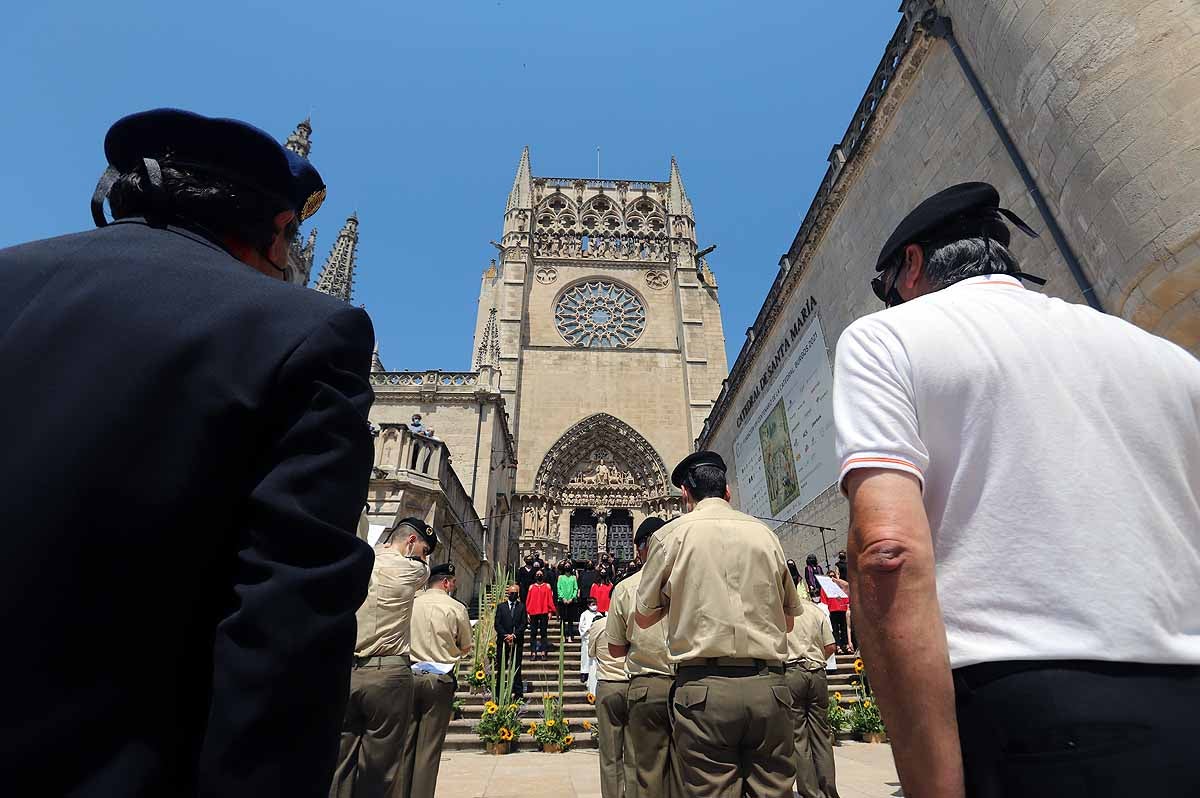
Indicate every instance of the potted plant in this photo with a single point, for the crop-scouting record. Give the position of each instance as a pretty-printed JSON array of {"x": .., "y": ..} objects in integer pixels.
[
  {"x": 865, "y": 719},
  {"x": 839, "y": 718},
  {"x": 554, "y": 733},
  {"x": 456, "y": 709},
  {"x": 501, "y": 724}
]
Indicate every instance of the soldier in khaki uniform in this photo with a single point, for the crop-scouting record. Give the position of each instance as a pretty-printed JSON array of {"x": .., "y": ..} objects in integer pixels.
[
  {"x": 381, "y": 684},
  {"x": 441, "y": 636},
  {"x": 617, "y": 775},
  {"x": 721, "y": 579},
  {"x": 651, "y": 676},
  {"x": 809, "y": 645}
]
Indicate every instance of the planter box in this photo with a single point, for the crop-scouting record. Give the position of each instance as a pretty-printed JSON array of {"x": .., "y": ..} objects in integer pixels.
[
  {"x": 497, "y": 749},
  {"x": 873, "y": 737},
  {"x": 551, "y": 748}
]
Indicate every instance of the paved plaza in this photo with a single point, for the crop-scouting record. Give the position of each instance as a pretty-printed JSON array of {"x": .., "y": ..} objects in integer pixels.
[{"x": 863, "y": 771}]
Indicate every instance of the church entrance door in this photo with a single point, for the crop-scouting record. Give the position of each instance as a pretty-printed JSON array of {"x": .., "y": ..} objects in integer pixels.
[
  {"x": 583, "y": 535},
  {"x": 620, "y": 535}
]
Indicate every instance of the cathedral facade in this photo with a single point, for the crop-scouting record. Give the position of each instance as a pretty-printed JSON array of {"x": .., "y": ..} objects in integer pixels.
[{"x": 601, "y": 316}]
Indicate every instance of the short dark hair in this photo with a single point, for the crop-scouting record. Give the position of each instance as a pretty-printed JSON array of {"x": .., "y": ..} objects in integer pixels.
[
  {"x": 949, "y": 260},
  {"x": 188, "y": 195},
  {"x": 707, "y": 481}
]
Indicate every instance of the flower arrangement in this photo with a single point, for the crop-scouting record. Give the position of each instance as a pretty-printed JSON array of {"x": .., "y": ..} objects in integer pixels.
[
  {"x": 554, "y": 734},
  {"x": 494, "y": 676},
  {"x": 864, "y": 715},
  {"x": 484, "y": 633},
  {"x": 591, "y": 698},
  {"x": 839, "y": 718}
]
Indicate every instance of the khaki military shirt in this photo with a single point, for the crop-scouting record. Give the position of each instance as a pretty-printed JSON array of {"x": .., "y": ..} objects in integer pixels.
[
  {"x": 648, "y": 653},
  {"x": 385, "y": 617},
  {"x": 723, "y": 580},
  {"x": 808, "y": 638},
  {"x": 608, "y": 667},
  {"x": 441, "y": 630}
]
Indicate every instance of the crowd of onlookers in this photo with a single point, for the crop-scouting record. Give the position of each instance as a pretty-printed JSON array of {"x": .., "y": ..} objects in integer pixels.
[{"x": 563, "y": 588}]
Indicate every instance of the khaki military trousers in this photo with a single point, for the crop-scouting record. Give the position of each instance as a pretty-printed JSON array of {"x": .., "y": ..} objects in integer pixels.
[
  {"x": 618, "y": 777},
  {"x": 432, "y": 706},
  {"x": 649, "y": 733},
  {"x": 813, "y": 740},
  {"x": 732, "y": 730},
  {"x": 377, "y": 714}
]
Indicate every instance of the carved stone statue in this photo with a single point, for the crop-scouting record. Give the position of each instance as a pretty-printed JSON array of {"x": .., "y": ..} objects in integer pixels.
[
  {"x": 528, "y": 524},
  {"x": 541, "y": 519}
]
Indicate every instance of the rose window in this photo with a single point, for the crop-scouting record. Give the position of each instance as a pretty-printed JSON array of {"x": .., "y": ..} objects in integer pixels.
[{"x": 600, "y": 315}]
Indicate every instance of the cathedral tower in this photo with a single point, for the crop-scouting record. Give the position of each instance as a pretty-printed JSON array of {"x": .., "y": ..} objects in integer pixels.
[
  {"x": 605, "y": 322},
  {"x": 337, "y": 278}
]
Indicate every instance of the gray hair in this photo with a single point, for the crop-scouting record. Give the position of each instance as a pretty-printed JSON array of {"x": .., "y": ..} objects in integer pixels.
[{"x": 948, "y": 262}]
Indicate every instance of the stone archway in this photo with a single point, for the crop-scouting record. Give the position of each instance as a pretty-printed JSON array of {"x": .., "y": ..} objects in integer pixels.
[{"x": 606, "y": 470}]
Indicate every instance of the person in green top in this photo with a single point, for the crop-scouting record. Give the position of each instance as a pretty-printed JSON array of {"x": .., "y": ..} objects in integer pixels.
[{"x": 567, "y": 591}]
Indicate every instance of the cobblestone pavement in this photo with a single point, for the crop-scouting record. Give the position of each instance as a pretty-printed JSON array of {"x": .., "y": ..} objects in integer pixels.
[{"x": 863, "y": 771}]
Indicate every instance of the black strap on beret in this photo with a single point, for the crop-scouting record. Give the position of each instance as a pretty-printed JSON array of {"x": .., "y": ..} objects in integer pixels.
[
  {"x": 994, "y": 214},
  {"x": 103, "y": 186}
]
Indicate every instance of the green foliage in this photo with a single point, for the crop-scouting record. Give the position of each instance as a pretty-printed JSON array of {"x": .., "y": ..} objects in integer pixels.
[
  {"x": 501, "y": 720},
  {"x": 864, "y": 714},
  {"x": 839, "y": 718}
]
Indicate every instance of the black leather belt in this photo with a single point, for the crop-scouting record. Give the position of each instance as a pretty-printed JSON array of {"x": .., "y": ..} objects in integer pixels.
[
  {"x": 380, "y": 661},
  {"x": 735, "y": 666}
]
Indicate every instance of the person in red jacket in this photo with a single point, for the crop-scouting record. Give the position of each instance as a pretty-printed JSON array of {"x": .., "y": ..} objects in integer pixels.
[
  {"x": 602, "y": 591},
  {"x": 539, "y": 605}
]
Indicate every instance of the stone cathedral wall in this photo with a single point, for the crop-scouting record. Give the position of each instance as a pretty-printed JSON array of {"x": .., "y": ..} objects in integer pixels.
[{"x": 1102, "y": 99}]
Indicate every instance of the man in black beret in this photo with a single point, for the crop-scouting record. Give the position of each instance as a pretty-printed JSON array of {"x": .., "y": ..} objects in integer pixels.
[
  {"x": 205, "y": 423},
  {"x": 719, "y": 581},
  {"x": 379, "y": 712},
  {"x": 441, "y": 637},
  {"x": 982, "y": 426}
]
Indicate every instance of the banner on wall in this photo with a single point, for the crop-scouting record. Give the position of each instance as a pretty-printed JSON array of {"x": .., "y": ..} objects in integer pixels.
[{"x": 785, "y": 445}]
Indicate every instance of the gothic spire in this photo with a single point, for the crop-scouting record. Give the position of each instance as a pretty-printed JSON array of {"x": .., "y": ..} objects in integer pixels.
[
  {"x": 300, "y": 141},
  {"x": 678, "y": 202},
  {"x": 488, "y": 353},
  {"x": 337, "y": 278},
  {"x": 376, "y": 363},
  {"x": 522, "y": 189}
]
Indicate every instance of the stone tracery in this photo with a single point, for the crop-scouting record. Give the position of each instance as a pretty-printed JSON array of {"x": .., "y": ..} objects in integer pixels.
[
  {"x": 600, "y": 314},
  {"x": 602, "y": 462}
]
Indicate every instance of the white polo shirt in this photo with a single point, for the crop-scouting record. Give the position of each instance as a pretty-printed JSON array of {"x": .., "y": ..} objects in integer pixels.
[{"x": 1059, "y": 451}]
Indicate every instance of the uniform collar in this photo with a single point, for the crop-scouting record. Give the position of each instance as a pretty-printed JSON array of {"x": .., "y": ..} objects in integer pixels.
[
  {"x": 712, "y": 502},
  {"x": 198, "y": 237},
  {"x": 991, "y": 279}
]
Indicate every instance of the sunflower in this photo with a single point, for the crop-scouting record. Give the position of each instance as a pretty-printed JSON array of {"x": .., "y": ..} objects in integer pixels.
[
  {"x": 512, "y": 707},
  {"x": 568, "y": 740},
  {"x": 591, "y": 699},
  {"x": 867, "y": 704},
  {"x": 533, "y": 728},
  {"x": 490, "y": 709},
  {"x": 837, "y": 697},
  {"x": 566, "y": 722},
  {"x": 479, "y": 674},
  {"x": 505, "y": 734},
  {"x": 858, "y": 666},
  {"x": 550, "y": 723},
  {"x": 587, "y": 725}
]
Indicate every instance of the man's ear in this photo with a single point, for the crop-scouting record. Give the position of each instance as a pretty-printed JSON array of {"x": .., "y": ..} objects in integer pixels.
[
  {"x": 728, "y": 495},
  {"x": 914, "y": 267}
]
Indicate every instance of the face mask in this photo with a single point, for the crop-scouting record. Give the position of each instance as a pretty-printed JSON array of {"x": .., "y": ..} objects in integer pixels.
[
  {"x": 513, "y": 596},
  {"x": 541, "y": 578}
]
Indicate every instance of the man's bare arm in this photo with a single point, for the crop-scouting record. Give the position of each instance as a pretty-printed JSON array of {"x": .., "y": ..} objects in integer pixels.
[{"x": 900, "y": 628}]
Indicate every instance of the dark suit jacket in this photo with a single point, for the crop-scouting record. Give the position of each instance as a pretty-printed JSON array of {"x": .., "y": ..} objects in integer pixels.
[
  {"x": 185, "y": 458},
  {"x": 511, "y": 622}
]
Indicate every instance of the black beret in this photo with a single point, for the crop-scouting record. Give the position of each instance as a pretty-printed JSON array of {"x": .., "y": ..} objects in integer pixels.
[
  {"x": 647, "y": 528},
  {"x": 422, "y": 529},
  {"x": 446, "y": 569},
  {"x": 228, "y": 148},
  {"x": 968, "y": 208},
  {"x": 693, "y": 461}
]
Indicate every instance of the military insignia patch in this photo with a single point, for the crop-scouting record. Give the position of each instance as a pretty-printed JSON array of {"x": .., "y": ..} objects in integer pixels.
[{"x": 312, "y": 204}]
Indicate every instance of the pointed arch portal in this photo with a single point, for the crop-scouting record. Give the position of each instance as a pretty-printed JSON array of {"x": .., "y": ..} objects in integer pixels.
[{"x": 602, "y": 462}]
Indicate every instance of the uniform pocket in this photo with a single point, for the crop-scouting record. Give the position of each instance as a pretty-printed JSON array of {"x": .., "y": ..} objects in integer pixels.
[
  {"x": 783, "y": 695},
  {"x": 637, "y": 694},
  {"x": 691, "y": 696}
]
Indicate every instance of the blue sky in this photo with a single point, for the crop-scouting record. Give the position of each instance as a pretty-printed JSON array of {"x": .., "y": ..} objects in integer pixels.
[{"x": 420, "y": 111}]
